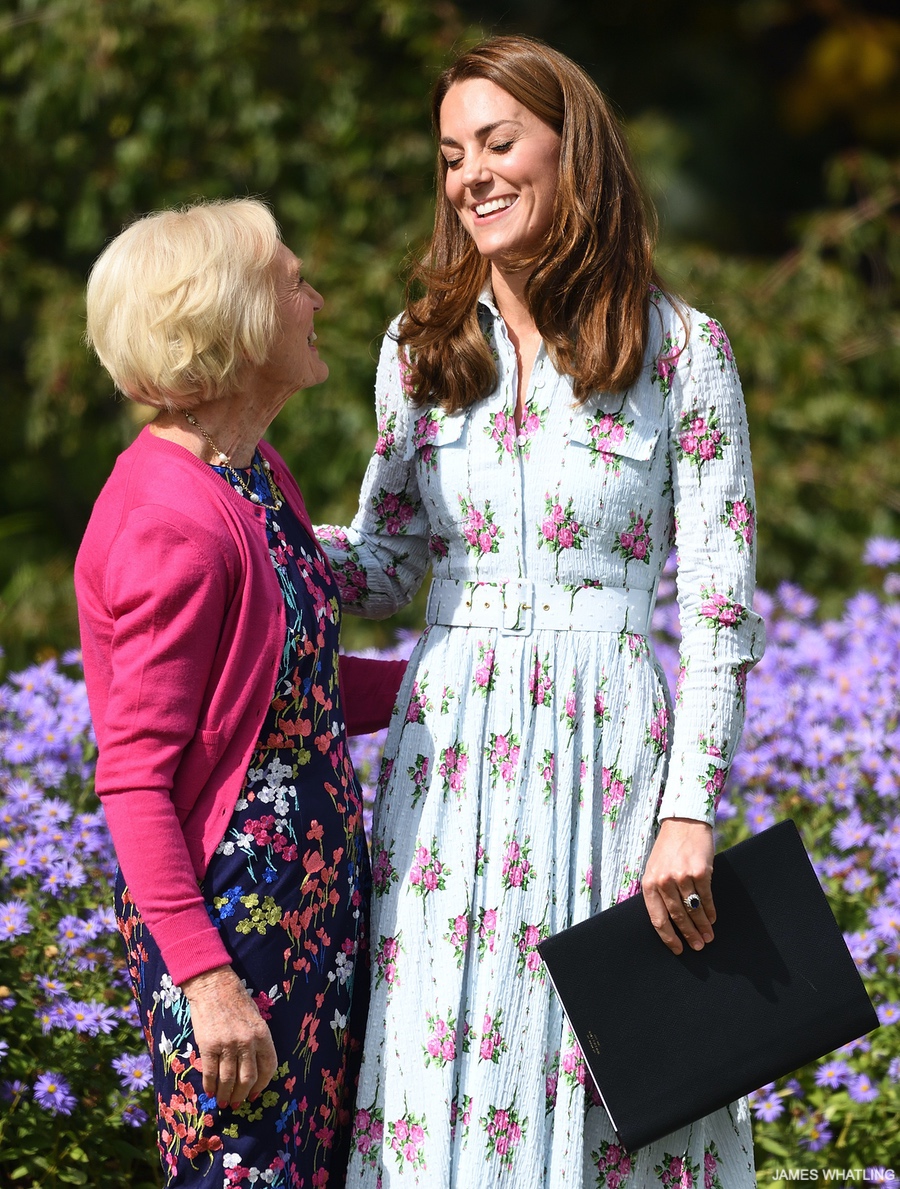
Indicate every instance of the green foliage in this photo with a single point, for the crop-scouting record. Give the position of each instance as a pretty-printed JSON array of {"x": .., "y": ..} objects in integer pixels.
[
  {"x": 111, "y": 108},
  {"x": 816, "y": 335}
]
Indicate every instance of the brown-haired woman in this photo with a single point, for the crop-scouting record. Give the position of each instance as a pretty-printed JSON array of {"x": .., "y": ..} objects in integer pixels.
[{"x": 549, "y": 422}]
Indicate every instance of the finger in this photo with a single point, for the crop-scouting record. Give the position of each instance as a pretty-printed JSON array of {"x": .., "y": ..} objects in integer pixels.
[
  {"x": 245, "y": 1077},
  {"x": 689, "y": 924},
  {"x": 706, "y": 898},
  {"x": 661, "y": 921},
  {"x": 227, "y": 1074},
  {"x": 704, "y": 916},
  {"x": 210, "y": 1066},
  {"x": 266, "y": 1064}
]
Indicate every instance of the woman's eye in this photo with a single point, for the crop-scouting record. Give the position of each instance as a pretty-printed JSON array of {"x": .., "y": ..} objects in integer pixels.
[
  {"x": 453, "y": 162},
  {"x": 502, "y": 148}
]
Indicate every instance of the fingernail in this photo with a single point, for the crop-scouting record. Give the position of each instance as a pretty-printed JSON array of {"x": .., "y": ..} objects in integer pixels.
[
  {"x": 707, "y": 936},
  {"x": 698, "y": 944}
]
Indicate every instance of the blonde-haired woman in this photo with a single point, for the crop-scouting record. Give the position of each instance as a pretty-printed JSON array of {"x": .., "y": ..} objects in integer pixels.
[
  {"x": 209, "y": 625},
  {"x": 549, "y": 422}
]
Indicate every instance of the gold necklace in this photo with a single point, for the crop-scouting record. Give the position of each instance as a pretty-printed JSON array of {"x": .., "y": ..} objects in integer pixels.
[{"x": 225, "y": 462}]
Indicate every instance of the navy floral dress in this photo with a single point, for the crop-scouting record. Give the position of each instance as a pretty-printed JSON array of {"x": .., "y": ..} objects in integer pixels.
[{"x": 288, "y": 888}]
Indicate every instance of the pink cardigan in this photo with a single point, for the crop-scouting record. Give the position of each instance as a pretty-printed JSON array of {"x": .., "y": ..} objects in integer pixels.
[{"x": 182, "y": 628}]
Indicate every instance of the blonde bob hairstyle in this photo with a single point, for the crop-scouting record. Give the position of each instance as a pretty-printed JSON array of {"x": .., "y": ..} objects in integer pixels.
[
  {"x": 590, "y": 280},
  {"x": 183, "y": 301}
]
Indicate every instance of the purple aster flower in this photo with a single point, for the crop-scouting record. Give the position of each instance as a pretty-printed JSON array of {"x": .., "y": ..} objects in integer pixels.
[
  {"x": 851, "y": 832},
  {"x": 103, "y": 920},
  {"x": 100, "y": 1018},
  {"x": 135, "y": 1073},
  {"x": 20, "y": 749},
  {"x": 833, "y": 1074},
  {"x": 53, "y": 988},
  {"x": 862, "y": 612},
  {"x": 862, "y": 945},
  {"x": 861, "y": 1089},
  {"x": 130, "y": 1014},
  {"x": 888, "y": 1013},
  {"x": 860, "y": 1045},
  {"x": 796, "y": 601},
  {"x": 19, "y": 859},
  {"x": 881, "y": 552},
  {"x": 891, "y": 587},
  {"x": 53, "y": 809},
  {"x": 77, "y": 1015},
  {"x": 857, "y": 880},
  {"x": 818, "y": 1136},
  {"x": 53, "y": 1093},
  {"x": 45, "y": 1018},
  {"x": 759, "y": 819},
  {"x": 13, "y": 1089},
  {"x": 4, "y": 1049},
  {"x": 894, "y": 1069},
  {"x": 13, "y": 919},
  {"x": 71, "y": 873},
  {"x": 134, "y": 1115},
  {"x": 22, "y": 794},
  {"x": 46, "y": 854},
  {"x": 50, "y": 772},
  {"x": 834, "y": 866},
  {"x": 885, "y": 921},
  {"x": 769, "y": 1108},
  {"x": 70, "y": 932},
  {"x": 53, "y": 881}
]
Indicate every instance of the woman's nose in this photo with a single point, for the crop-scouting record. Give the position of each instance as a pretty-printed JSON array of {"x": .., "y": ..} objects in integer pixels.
[{"x": 475, "y": 170}]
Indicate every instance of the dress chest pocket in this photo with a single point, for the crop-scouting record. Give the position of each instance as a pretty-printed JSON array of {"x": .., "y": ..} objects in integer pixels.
[
  {"x": 613, "y": 440},
  {"x": 430, "y": 432}
]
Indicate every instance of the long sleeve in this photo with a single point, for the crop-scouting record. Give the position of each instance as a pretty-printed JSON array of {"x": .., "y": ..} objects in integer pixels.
[
  {"x": 165, "y": 620},
  {"x": 382, "y": 558},
  {"x": 715, "y": 537}
]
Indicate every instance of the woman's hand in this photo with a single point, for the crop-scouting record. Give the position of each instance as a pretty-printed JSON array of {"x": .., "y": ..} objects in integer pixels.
[
  {"x": 680, "y": 864},
  {"x": 233, "y": 1039}
]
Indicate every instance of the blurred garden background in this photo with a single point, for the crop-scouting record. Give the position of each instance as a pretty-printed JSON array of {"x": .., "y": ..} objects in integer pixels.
[
  {"x": 769, "y": 136},
  {"x": 768, "y": 133}
]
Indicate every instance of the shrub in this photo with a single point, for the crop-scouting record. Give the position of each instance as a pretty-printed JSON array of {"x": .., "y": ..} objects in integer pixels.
[{"x": 72, "y": 1058}]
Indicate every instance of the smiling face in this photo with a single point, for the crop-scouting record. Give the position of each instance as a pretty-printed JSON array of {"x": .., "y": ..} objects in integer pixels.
[
  {"x": 294, "y": 362},
  {"x": 502, "y": 168}
]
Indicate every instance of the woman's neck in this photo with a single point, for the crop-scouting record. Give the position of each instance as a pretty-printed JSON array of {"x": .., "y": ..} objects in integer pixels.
[
  {"x": 216, "y": 431},
  {"x": 509, "y": 294}
]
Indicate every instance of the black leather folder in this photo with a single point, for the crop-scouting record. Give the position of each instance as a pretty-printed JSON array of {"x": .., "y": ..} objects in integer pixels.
[{"x": 670, "y": 1038}]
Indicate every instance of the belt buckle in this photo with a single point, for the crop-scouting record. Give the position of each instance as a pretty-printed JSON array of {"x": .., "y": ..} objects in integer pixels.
[{"x": 518, "y": 608}]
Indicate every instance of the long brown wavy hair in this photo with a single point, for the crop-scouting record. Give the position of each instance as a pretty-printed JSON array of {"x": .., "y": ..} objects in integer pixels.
[{"x": 589, "y": 289}]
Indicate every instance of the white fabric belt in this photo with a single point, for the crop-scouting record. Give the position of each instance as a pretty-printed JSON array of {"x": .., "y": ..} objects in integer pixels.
[{"x": 517, "y": 607}]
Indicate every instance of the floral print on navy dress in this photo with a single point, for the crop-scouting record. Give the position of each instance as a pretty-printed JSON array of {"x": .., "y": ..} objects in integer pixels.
[{"x": 288, "y": 888}]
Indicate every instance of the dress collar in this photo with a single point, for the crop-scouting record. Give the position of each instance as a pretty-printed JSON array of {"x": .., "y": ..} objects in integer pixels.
[{"x": 486, "y": 299}]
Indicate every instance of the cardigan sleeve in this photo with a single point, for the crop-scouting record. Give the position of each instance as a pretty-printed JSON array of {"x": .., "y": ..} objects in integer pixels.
[
  {"x": 715, "y": 536},
  {"x": 369, "y": 689},
  {"x": 166, "y": 594},
  {"x": 382, "y": 558}
]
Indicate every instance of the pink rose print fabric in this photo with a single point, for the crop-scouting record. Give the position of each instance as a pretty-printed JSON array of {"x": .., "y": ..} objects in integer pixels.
[{"x": 524, "y": 773}]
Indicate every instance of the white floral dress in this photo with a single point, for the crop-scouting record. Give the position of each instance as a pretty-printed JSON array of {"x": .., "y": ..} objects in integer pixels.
[{"x": 524, "y": 773}]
